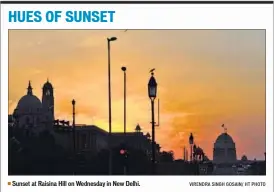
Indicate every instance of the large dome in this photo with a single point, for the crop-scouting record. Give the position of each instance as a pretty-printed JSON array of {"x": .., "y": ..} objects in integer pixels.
[
  {"x": 223, "y": 141},
  {"x": 224, "y": 138},
  {"x": 29, "y": 102},
  {"x": 224, "y": 150}
]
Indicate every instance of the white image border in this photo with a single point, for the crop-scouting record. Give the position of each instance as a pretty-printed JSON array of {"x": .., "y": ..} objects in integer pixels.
[{"x": 137, "y": 16}]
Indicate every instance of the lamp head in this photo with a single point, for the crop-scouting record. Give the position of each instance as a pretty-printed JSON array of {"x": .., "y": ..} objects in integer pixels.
[
  {"x": 124, "y": 68},
  {"x": 112, "y": 38},
  {"x": 152, "y": 87},
  {"x": 73, "y": 102}
]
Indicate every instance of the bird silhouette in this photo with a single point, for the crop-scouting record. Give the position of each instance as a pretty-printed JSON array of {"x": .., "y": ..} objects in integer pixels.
[{"x": 151, "y": 71}]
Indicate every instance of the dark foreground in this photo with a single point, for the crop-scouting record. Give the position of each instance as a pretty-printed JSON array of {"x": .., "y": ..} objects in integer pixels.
[{"x": 41, "y": 156}]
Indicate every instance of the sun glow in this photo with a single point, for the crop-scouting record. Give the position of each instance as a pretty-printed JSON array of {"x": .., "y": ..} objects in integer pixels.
[{"x": 205, "y": 78}]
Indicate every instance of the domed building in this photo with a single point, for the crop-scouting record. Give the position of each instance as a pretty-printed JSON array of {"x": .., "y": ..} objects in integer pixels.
[
  {"x": 224, "y": 151},
  {"x": 31, "y": 114}
]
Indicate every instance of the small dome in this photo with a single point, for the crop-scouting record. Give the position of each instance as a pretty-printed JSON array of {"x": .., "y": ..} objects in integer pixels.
[
  {"x": 244, "y": 158},
  {"x": 47, "y": 85}
]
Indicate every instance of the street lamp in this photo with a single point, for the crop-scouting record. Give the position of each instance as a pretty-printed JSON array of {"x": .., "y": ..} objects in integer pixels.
[
  {"x": 124, "y": 70},
  {"x": 109, "y": 104},
  {"x": 73, "y": 132},
  {"x": 152, "y": 93},
  {"x": 125, "y": 76}
]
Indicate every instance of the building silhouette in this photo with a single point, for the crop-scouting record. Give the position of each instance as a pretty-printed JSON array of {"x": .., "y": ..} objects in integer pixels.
[
  {"x": 224, "y": 151},
  {"x": 48, "y": 98},
  {"x": 33, "y": 126},
  {"x": 33, "y": 117}
]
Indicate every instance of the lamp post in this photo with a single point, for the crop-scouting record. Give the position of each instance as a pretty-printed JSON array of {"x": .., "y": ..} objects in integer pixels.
[
  {"x": 109, "y": 104},
  {"x": 74, "y": 134},
  {"x": 152, "y": 93},
  {"x": 125, "y": 81},
  {"x": 125, "y": 76}
]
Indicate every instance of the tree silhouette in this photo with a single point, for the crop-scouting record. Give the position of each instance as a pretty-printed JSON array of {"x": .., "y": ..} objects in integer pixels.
[{"x": 166, "y": 156}]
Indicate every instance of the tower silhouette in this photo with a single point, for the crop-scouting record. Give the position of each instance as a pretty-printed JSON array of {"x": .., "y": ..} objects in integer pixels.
[{"x": 48, "y": 98}]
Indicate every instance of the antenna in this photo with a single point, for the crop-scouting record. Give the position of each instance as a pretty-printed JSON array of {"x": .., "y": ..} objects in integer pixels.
[{"x": 158, "y": 113}]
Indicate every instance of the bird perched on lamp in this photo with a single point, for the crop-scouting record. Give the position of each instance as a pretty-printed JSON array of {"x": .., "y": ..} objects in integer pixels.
[{"x": 152, "y": 70}]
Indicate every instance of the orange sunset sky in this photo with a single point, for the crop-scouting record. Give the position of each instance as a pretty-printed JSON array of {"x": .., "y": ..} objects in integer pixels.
[{"x": 205, "y": 78}]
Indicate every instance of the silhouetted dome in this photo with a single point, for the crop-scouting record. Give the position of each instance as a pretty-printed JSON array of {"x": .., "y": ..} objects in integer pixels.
[
  {"x": 29, "y": 103},
  {"x": 223, "y": 140},
  {"x": 47, "y": 85},
  {"x": 148, "y": 135},
  {"x": 244, "y": 158},
  {"x": 224, "y": 149}
]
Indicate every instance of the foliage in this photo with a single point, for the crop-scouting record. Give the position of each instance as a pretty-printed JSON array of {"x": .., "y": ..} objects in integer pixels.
[{"x": 166, "y": 156}]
